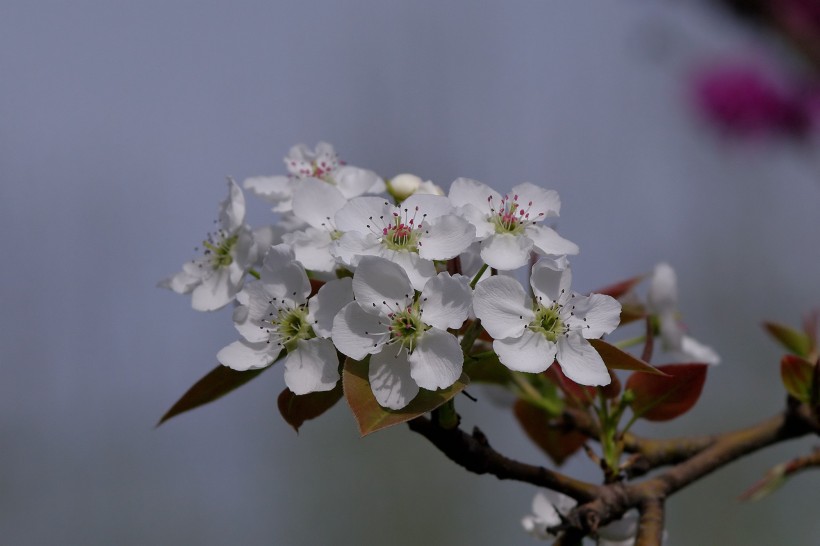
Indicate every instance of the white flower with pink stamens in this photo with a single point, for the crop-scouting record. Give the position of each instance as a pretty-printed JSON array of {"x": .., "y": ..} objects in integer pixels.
[
  {"x": 320, "y": 164},
  {"x": 422, "y": 229},
  {"x": 507, "y": 226},
  {"x": 405, "y": 334},
  {"x": 529, "y": 335}
]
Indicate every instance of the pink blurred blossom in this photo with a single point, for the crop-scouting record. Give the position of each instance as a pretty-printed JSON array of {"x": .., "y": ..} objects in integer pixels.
[{"x": 746, "y": 100}]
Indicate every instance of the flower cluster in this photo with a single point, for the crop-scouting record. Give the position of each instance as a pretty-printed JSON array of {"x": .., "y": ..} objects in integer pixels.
[{"x": 397, "y": 274}]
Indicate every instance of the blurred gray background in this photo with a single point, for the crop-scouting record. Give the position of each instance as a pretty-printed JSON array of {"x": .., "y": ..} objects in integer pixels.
[{"x": 118, "y": 124}]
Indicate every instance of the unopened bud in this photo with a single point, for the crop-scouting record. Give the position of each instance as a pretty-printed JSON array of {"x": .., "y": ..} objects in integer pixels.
[{"x": 404, "y": 185}]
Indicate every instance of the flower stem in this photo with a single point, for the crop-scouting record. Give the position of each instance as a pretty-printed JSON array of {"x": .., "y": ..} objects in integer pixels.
[
  {"x": 478, "y": 275},
  {"x": 255, "y": 273}
]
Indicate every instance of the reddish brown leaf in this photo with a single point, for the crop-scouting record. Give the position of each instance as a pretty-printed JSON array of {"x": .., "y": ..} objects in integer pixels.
[
  {"x": 296, "y": 409},
  {"x": 315, "y": 285},
  {"x": 370, "y": 416},
  {"x": 797, "y": 342},
  {"x": 616, "y": 359},
  {"x": 659, "y": 398},
  {"x": 797, "y": 375},
  {"x": 557, "y": 443},
  {"x": 216, "y": 384},
  {"x": 620, "y": 288},
  {"x": 582, "y": 394}
]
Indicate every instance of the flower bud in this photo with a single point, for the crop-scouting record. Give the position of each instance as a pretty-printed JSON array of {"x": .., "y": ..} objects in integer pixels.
[{"x": 404, "y": 185}]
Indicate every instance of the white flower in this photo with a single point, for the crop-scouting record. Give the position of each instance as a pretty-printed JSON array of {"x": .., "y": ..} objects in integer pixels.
[
  {"x": 424, "y": 228},
  {"x": 507, "y": 226},
  {"x": 217, "y": 276},
  {"x": 404, "y": 185},
  {"x": 320, "y": 164},
  {"x": 549, "y": 507},
  {"x": 275, "y": 315},
  {"x": 316, "y": 203},
  {"x": 529, "y": 335},
  {"x": 405, "y": 335},
  {"x": 663, "y": 302}
]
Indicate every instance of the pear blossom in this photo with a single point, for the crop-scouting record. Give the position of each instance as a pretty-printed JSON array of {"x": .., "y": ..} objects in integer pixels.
[
  {"x": 316, "y": 203},
  {"x": 404, "y": 334},
  {"x": 663, "y": 303},
  {"x": 275, "y": 315},
  {"x": 214, "y": 279},
  {"x": 422, "y": 229},
  {"x": 529, "y": 335},
  {"x": 322, "y": 164},
  {"x": 550, "y": 507},
  {"x": 507, "y": 226}
]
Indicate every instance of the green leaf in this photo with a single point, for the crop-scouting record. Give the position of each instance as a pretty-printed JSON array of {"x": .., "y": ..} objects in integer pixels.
[
  {"x": 298, "y": 408},
  {"x": 557, "y": 443},
  {"x": 658, "y": 398},
  {"x": 216, "y": 384},
  {"x": 616, "y": 359},
  {"x": 486, "y": 370},
  {"x": 797, "y": 375},
  {"x": 370, "y": 416},
  {"x": 797, "y": 342}
]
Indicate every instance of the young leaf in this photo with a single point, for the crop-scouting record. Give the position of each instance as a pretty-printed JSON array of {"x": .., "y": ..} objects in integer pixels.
[
  {"x": 616, "y": 359},
  {"x": 216, "y": 384},
  {"x": 797, "y": 342},
  {"x": 296, "y": 409},
  {"x": 658, "y": 398},
  {"x": 630, "y": 312},
  {"x": 370, "y": 416},
  {"x": 558, "y": 444},
  {"x": 767, "y": 485},
  {"x": 797, "y": 375},
  {"x": 620, "y": 288},
  {"x": 486, "y": 370}
]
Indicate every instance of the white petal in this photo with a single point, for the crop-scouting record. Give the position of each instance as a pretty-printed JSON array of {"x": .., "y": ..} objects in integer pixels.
[
  {"x": 215, "y": 292},
  {"x": 350, "y": 248},
  {"x": 283, "y": 277},
  {"x": 465, "y": 191},
  {"x": 595, "y": 315},
  {"x": 248, "y": 316},
  {"x": 241, "y": 355},
  {"x": 326, "y": 304},
  {"x": 446, "y": 237},
  {"x": 670, "y": 329},
  {"x": 357, "y": 333},
  {"x": 418, "y": 270},
  {"x": 436, "y": 361},
  {"x": 562, "y": 503},
  {"x": 581, "y": 362},
  {"x": 274, "y": 189},
  {"x": 390, "y": 379},
  {"x": 479, "y": 219},
  {"x": 545, "y": 203},
  {"x": 317, "y": 203},
  {"x": 503, "y": 306},
  {"x": 446, "y": 301},
  {"x": 232, "y": 210},
  {"x": 354, "y": 181},
  {"x": 531, "y": 352},
  {"x": 698, "y": 352},
  {"x": 622, "y": 529},
  {"x": 506, "y": 252},
  {"x": 181, "y": 283},
  {"x": 431, "y": 206},
  {"x": 381, "y": 286},
  {"x": 549, "y": 284},
  {"x": 547, "y": 241},
  {"x": 361, "y": 212},
  {"x": 663, "y": 289},
  {"x": 311, "y": 248},
  {"x": 312, "y": 367},
  {"x": 244, "y": 252}
]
